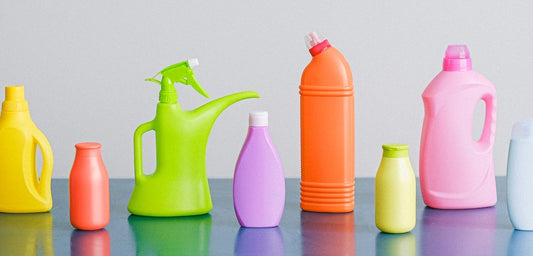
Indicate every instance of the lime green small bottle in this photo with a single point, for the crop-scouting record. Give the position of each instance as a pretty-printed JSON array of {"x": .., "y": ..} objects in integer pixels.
[{"x": 395, "y": 191}]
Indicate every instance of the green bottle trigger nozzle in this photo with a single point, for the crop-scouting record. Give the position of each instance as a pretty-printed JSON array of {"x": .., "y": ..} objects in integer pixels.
[{"x": 178, "y": 73}]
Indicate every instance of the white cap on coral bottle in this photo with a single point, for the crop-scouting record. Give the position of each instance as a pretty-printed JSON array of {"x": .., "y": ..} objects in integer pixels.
[{"x": 258, "y": 118}]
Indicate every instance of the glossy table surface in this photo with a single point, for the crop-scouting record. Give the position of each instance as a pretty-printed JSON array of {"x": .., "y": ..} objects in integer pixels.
[{"x": 485, "y": 231}]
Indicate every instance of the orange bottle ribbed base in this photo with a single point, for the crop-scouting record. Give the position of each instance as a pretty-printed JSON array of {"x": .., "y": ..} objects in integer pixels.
[{"x": 327, "y": 197}]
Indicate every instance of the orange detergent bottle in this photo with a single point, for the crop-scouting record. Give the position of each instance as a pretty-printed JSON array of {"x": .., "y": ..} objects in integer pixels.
[{"x": 327, "y": 130}]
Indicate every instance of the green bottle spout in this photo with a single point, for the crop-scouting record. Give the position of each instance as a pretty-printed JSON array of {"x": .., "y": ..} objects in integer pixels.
[{"x": 211, "y": 110}]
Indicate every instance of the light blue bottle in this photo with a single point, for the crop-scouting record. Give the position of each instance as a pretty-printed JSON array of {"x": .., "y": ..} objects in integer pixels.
[{"x": 520, "y": 175}]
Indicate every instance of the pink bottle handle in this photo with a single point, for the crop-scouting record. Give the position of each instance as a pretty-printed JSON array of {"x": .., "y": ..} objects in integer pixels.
[{"x": 489, "y": 128}]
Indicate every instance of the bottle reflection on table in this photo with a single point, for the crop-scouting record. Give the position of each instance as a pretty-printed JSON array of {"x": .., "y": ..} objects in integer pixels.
[
  {"x": 458, "y": 232},
  {"x": 521, "y": 243},
  {"x": 328, "y": 233},
  {"x": 26, "y": 234},
  {"x": 259, "y": 241},
  {"x": 171, "y": 235},
  {"x": 90, "y": 243},
  {"x": 395, "y": 244}
]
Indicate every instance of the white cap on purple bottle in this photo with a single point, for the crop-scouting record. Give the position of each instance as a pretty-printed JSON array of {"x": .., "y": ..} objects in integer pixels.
[{"x": 258, "y": 118}]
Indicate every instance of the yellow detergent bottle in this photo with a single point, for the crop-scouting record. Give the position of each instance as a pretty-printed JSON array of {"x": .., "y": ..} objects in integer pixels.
[{"x": 21, "y": 190}]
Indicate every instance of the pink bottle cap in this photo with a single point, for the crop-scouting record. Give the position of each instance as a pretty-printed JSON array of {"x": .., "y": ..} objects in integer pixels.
[{"x": 457, "y": 59}]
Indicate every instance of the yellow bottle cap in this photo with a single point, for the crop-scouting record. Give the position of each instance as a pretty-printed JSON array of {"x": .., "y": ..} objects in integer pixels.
[{"x": 15, "y": 99}]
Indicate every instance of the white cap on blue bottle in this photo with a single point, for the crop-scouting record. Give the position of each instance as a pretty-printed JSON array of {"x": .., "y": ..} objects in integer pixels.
[
  {"x": 523, "y": 130},
  {"x": 258, "y": 118}
]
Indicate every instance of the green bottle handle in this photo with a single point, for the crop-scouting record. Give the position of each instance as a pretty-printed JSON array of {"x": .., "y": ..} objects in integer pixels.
[{"x": 137, "y": 148}]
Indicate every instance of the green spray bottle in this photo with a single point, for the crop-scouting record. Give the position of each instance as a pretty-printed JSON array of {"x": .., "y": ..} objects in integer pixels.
[{"x": 179, "y": 185}]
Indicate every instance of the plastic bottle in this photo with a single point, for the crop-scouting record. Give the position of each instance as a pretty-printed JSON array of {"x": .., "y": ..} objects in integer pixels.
[
  {"x": 520, "y": 175},
  {"x": 327, "y": 130},
  {"x": 178, "y": 186},
  {"x": 258, "y": 182},
  {"x": 89, "y": 188},
  {"x": 456, "y": 171},
  {"x": 395, "y": 191},
  {"x": 21, "y": 190}
]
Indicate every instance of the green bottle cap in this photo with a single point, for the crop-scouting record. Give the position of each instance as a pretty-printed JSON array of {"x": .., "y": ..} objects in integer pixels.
[{"x": 395, "y": 150}]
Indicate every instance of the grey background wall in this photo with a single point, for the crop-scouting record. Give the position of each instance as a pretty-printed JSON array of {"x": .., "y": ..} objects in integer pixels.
[{"x": 83, "y": 64}]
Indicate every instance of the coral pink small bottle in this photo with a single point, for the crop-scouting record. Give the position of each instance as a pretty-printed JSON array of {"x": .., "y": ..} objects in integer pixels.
[
  {"x": 456, "y": 171},
  {"x": 89, "y": 188}
]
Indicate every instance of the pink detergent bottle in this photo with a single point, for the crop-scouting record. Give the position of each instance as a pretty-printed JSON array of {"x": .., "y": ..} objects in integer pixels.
[
  {"x": 456, "y": 171},
  {"x": 258, "y": 183}
]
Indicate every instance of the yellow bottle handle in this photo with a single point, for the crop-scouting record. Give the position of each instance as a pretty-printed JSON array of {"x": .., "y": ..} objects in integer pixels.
[
  {"x": 137, "y": 148},
  {"x": 48, "y": 164}
]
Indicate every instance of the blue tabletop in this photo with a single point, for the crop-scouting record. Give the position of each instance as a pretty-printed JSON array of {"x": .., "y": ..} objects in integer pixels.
[{"x": 485, "y": 231}]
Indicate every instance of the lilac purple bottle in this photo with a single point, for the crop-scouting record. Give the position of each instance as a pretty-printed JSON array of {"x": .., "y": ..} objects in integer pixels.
[{"x": 259, "y": 182}]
